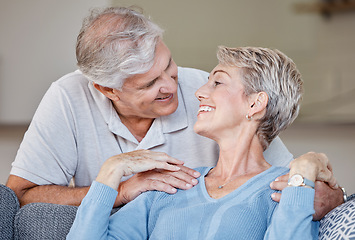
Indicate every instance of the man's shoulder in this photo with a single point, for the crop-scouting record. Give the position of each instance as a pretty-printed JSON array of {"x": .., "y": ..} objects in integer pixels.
[
  {"x": 72, "y": 79},
  {"x": 72, "y": 85},
  {"x": 192, "y": 77}
]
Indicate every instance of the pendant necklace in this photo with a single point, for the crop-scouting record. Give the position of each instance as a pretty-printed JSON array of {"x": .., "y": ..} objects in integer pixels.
[
  {"x": 230, "y": 180},
  {"x": 221, "y": 186}
]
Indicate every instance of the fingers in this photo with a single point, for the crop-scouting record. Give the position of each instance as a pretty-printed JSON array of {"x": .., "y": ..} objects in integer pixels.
[
  {"x": 280, "y": 183},
  {"x": 144, "y": 160},
  {"x": 325, "y": 171},
  {"x": 189, "y": 171},
  {"x": 157, "y": 179},
  {"x": 329, "y": 178},
  {"x": 183, "y": 179},
  {"x": 152, "y": 171},
  {"x": 139, "y": 183},
  {"x": 276, "y": 197},
  {"x": 160, "y": 156},
  {"x": 129, "y": 163},
  {"x": 333, "y": 183},
  {"x": 164, "y": 166}
]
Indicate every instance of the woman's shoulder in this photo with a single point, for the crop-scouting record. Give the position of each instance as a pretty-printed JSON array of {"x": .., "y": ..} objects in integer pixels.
[
  {"x": 280, "y": 170},
  {"x": 263, "y": 182},
  {"x": 203, "y": 170}
]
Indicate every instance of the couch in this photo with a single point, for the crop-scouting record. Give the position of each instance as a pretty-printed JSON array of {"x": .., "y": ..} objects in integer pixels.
[{"x": 52, "y": 221}]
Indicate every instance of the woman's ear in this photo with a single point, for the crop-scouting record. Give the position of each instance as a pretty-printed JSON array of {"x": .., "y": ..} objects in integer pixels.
[
  {"x": 108, "y": 92},
  {"x": 258, "y": 105}
]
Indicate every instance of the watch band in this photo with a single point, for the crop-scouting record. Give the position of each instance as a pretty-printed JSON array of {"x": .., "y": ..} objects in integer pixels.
[{"x": 308, "y": 182}]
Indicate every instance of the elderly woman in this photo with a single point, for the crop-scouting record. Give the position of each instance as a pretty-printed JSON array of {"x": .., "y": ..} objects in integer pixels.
[{"x": 232, "y": 199}]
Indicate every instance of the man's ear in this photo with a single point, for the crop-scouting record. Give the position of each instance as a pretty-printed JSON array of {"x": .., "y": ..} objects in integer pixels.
[
  {"x": 108, "y": 92},
  {"x": 258, "y": 105}
]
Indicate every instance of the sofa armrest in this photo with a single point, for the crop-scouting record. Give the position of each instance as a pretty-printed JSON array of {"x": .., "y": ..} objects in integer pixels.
[{"x": 9, "y": 205}]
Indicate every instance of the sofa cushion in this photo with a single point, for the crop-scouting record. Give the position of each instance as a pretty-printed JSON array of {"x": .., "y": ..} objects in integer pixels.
[
  {"x": 339, "y": 223},
  {"x": 44, "y": 221},
  {"x": 9, "y": 206}
]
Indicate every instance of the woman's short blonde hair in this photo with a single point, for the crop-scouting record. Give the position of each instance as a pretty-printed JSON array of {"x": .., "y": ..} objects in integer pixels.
[{"x": 272, "y": 72}]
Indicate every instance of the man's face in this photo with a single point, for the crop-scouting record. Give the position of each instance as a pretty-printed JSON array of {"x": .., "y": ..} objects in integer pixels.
[{"x": 152, "y": 94}]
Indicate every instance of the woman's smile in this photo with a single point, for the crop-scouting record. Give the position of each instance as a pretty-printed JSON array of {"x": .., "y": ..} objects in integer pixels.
[{"x": 204, "y": 108}]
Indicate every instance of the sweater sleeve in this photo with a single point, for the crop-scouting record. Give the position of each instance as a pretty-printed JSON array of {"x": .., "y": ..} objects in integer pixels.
[
  {"x": 293, "y": 218},
  {"x": 93, "y": 220}
]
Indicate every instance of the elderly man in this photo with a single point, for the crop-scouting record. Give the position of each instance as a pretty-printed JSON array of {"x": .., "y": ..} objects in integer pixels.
[{"x": 130, "y": 98}]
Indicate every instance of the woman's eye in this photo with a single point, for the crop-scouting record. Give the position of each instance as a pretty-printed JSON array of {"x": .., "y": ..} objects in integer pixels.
[{"x": 216, "y": 83}]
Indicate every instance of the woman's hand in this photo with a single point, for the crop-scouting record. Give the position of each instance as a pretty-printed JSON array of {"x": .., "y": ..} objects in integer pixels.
[
  {"x": 314, "y": 166},
  {"x": 126, "y": 164},
  {"x": 156, "y": 179},
  {"x": 323, "y": 190}
]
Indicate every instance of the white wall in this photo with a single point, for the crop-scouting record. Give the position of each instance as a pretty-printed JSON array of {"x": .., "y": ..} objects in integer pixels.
[{"x": 37, "y": 46}]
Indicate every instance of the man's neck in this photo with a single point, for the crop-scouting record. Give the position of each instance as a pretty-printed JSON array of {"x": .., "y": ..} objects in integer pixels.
[{"x": 137, "y": 126}]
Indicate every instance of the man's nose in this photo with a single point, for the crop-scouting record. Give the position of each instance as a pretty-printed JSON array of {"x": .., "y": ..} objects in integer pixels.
[{"x": 169, "y": 84}]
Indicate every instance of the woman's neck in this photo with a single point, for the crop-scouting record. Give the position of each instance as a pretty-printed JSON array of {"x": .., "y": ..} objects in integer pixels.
[
  {"x": 245, "y": 156},
  {"x": 240, "y": 158}
]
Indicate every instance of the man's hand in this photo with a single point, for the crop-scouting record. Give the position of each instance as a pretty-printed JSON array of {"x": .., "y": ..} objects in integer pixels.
[
  {"x": 153, "y": 171},
  {"x": 325, "y": 198},
  {"x": 160, "y": 180}
]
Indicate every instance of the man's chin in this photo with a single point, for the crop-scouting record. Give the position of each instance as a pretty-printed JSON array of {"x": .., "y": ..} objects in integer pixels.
[{"x": 169, "y": 109}]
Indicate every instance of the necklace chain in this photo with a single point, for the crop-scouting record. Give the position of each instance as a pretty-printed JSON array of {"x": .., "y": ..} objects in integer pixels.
[
  {"x": 221, "y": 186},
  {"x": 230, "y": 180}
]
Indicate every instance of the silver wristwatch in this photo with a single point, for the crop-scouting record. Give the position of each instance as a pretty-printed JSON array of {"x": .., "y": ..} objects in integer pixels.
[{"x": 298, "y": 180}]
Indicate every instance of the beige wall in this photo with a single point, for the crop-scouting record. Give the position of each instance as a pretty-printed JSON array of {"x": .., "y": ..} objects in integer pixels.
[
  {"x": 38, "y": 38},
  {"x": 37, "y": 46},
  {"x": 323, "y": 49}
]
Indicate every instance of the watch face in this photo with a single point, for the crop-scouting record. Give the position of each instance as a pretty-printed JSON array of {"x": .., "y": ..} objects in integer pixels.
[{"x": 296, "y": 180}]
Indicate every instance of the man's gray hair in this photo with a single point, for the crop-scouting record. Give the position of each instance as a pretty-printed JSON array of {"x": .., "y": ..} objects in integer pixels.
[
  {"x": 116, "y": 43},
  {"x": 270, "y": 71}
]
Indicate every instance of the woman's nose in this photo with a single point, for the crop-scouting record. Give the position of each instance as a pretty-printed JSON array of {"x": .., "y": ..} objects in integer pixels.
[{"x": 201, "y": 93}]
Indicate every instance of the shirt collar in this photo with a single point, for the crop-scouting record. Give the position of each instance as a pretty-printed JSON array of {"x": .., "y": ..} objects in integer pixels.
[{"x": 164, "y": 124}]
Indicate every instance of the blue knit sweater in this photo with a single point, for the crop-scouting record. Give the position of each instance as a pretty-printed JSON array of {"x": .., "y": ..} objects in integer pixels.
[{"x": 246, "y": 213}]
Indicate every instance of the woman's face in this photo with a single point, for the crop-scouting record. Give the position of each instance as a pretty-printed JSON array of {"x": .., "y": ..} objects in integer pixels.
[{"x": 223, "y": 103}]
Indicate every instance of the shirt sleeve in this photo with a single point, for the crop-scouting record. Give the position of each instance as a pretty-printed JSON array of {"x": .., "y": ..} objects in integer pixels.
[
  {"x": 93, "y": 220},
  {"x": 48, "y": 153},
  {"x": 293, "y": 218}
]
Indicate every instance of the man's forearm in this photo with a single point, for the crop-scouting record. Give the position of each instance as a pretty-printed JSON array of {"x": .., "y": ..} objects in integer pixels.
[
  {"x": 54, "y": 194},
  {"x": 28, "y": 192}
]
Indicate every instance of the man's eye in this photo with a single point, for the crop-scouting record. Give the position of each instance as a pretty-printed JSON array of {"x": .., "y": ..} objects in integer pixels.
[{"x": 151, "y": 83}]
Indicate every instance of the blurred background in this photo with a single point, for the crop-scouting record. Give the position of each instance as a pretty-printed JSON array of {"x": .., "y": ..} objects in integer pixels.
[{"x": 37, "y": 46}]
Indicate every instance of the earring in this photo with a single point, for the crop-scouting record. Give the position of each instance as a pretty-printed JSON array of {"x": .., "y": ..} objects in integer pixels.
[{"x": 248, "y": 117}]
